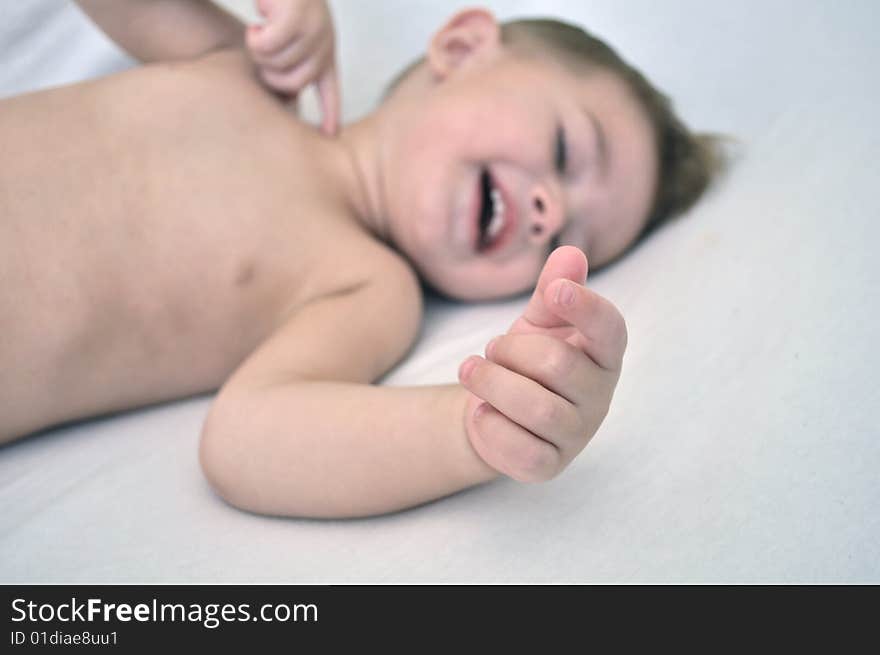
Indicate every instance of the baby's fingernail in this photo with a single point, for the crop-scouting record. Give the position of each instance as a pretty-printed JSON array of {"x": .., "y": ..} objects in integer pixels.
[
  {"x": 467, "y": 366},
  {"x": 480, "y": 410},
  {"x": 564, "y": 294},
  {"x": 490, "y": 347}
]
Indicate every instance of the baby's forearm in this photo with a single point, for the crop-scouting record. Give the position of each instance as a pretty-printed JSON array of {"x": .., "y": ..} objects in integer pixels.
[
  {"x": 163, "y": 30},
  {"x": 325, "y": 449}
]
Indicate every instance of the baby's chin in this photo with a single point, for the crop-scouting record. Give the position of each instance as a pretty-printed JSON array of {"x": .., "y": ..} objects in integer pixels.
[
  {"x": 469, "y": 280},
  {"x": 462, "y": 287}
]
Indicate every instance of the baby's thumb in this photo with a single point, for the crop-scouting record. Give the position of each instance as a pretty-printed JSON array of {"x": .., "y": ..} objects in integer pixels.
[{"x": 565, "y": 262}]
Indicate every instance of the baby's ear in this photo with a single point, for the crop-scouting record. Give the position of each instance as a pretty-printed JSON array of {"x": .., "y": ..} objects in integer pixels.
[{"x": 469, "y": 35}]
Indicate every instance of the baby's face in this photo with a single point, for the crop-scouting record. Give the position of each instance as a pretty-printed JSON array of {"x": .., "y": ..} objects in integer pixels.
[{"x": 509, "y": 158}]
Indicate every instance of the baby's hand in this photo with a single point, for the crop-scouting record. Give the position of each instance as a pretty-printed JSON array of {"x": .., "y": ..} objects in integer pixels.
[
  {"x": 545, "y": 386},
  {"x": 295, "y": 47}
]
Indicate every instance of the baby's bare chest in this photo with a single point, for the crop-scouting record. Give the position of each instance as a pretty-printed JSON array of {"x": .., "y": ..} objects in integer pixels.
[{"x": 179, "y": 230}]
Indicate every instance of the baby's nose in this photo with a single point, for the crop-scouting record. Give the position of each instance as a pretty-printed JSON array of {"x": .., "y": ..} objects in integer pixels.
[{"x": 546, "y": 215}]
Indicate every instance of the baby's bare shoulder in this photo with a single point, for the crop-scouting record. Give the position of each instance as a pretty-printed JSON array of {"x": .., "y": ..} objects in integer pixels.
[
  {"x": 354, "y": 332},
  {"x": 385, "y": 287},
  {"x": 397, "y": 289}
]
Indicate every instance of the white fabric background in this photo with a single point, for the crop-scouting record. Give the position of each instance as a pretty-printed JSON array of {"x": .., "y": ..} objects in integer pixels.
[{"x": 743, "y": 443}]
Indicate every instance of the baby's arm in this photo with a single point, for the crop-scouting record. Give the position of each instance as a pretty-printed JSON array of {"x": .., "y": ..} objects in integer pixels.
[
  {"x": 299, "y": 431},
  {"x": 293, "y": 48},
  {"x": 160, "y": 30}
]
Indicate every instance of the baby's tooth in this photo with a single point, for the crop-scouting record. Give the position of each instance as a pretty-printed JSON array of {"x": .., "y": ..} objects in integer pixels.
[
  {"x": 495, "y": 226},
  {"x": 497, "y": 221},
  {"x": 497, "y": 202}
]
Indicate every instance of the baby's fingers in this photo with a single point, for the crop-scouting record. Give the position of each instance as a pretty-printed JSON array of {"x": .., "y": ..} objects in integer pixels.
[
  {"x": 525, "y": 402},
  {"x": 328, "y": 94},
  {"x": 510, "y": 449},
  {"x": 557, "y": 365},
  {"x": 280, "y": 28},
  {"x": 294, "y": 80},
  {"x": 603, "y": 334},
  {"x": 286, "y": 58}
]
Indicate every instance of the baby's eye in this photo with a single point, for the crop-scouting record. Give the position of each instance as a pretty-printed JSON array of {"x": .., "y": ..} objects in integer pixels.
[{"x": 560, "y": 156}]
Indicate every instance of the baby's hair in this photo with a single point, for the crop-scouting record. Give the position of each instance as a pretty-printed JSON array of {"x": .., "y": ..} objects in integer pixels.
[{"x": 688, "y": 161}]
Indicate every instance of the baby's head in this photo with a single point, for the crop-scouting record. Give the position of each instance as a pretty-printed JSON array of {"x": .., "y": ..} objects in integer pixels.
[{"x": 511, "y": 139}]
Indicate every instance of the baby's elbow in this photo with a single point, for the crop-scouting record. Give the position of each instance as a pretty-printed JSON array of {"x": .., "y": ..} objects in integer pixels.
[
  {"x": 254, "y": 469},
  {"x": 222, "y": 459}
]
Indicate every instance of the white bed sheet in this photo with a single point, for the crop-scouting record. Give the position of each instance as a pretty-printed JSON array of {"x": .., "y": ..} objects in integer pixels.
[{"x": 742, "y": 445}]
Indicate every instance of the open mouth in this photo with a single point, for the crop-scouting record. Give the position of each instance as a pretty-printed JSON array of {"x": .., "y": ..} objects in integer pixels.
[{"x": 492, "y": 217}]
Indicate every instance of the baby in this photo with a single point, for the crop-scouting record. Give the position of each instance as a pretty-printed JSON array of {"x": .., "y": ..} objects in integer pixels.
[{"x": 174, "y": 229}]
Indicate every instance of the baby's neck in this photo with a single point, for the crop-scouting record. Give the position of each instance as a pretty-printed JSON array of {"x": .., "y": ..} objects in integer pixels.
[{"x": 359, "y": 143}]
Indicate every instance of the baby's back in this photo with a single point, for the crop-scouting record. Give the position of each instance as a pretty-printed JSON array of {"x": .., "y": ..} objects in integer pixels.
[{"x": 155, "y": 226}]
